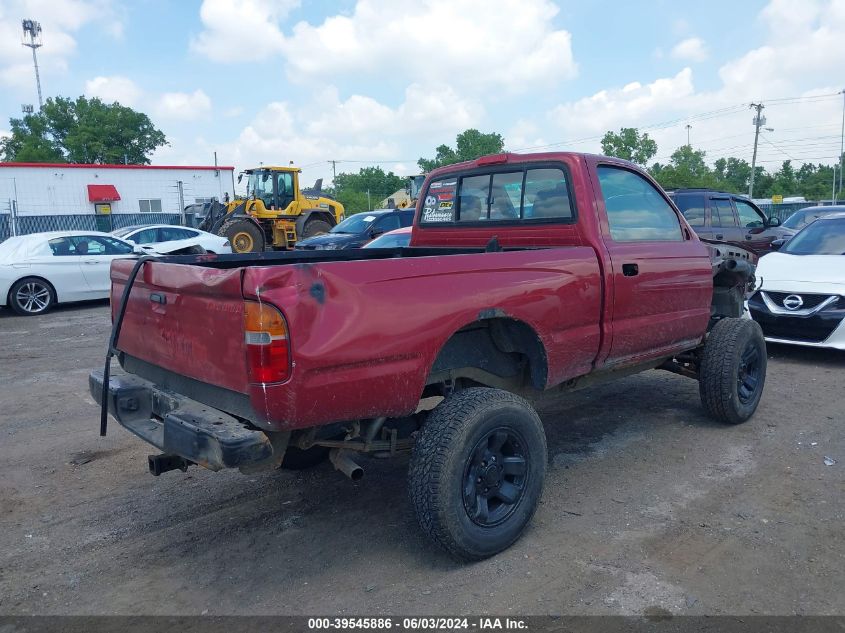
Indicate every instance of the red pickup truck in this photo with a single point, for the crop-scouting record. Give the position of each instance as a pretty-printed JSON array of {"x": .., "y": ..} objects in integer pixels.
[{"x": 527, "y": 275}]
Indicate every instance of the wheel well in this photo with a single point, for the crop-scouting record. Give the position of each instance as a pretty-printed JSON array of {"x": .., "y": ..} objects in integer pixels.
[
  {"x": 496, "y": 352},
  {"x": 52, "y": 287}
]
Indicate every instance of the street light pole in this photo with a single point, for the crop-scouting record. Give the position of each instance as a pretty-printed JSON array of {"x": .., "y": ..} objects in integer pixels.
[
  {"x": 689, "y": 127},
  {"x": 759, "y": 121}
]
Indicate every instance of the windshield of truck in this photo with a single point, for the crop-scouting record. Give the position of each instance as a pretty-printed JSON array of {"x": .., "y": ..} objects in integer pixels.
[
  {"x": 824, "y": 237},
  {"x": 357, "y": 223}
]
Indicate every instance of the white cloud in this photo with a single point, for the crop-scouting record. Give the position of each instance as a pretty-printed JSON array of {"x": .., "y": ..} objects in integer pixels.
[
  {"x": 241, "y": 30},
  {"x": 183, "y": 105},
  {"x": 692, "y": 49},
  {"x": 167, "y": 107},
  {"x": 114, "y": 88},
  {"x": 59, "y": 21},
  {"x": 805, "y": 46},
  {"x": 608, "y": 109},
  {"x": 467, "y": 42},
  {"x": 799, "y": 57},
  {"x": 320, "y": 126},
  {"x": 511, "y": 48}
]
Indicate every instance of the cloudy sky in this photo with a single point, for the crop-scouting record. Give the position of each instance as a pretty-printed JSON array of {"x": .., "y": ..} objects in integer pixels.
[{"x": 385, "y": 81}]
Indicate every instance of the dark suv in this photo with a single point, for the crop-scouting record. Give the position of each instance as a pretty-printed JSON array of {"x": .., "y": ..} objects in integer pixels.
[
  {"x": 730, "y": 218},
  {"x": 358, "y": 229}
]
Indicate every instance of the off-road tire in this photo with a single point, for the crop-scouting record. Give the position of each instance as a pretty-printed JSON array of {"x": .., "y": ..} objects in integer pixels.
[
  {"x": 235, "y": 229},
  {"x": 723, "y": 380},
  {"x": 42, "y": 290},
  {"x": 441, "y": 470},
  {"x": 301, "y": 459},
  {"x": 315, "y": 227}
]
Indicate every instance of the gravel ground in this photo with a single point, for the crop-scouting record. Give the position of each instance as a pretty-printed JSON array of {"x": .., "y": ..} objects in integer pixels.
[{"x": 648, "y": 507}]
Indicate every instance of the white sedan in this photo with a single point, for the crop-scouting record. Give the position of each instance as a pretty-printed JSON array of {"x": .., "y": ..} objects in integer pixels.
[
  {"x": 42, "y": 269},
  {"x": 174, "y": 240},
  {"x": 801, "y": 300}
]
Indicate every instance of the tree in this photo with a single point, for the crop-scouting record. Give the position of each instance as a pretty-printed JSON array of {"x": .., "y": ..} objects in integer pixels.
[
  {"x": 372, "y": 179},
  {"x": 82, "y": 131},
  {"x": 686, "y": 168},
  {"x": 469, "y": 145},
  {"x": 351, "y": 190},
  {"x": 629, "y": 144},
  {"x": 733, "y": 174},
  {"x": 785, "y": 180}
]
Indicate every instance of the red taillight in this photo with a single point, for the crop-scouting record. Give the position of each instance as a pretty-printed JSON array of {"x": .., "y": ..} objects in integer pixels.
[{"x": 267, "y": 347}]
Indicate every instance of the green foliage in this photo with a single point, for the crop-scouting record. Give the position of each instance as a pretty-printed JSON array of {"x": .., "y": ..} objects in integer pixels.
[
  {"x": 629, "y": 144},
  {"x": 469, "y": 145},
  {"x": 733, "y": 174},
  {"x": 351, "y": 189},
  {"x": 82, "y": 131},
  {"x": 353, "y": 201},
  {"x": 372, "y": 179},
  {"x": 686, "y": 168}
]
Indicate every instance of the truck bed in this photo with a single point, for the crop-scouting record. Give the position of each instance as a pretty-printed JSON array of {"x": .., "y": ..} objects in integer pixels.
[{"x": 365, "y": 326}]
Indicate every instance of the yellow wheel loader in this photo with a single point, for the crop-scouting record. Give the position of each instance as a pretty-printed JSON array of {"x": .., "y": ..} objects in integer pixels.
[{"x": 276, "y": 213}]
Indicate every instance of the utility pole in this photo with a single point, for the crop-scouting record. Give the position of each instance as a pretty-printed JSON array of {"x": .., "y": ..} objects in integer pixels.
[
  {"x": 32, "y": 29},
  {"x": 841, "y": 146},
  {"x": 334, "y": 172},
  {"x": 759, "y": 121},
  {"x": 689, "y": 127},
  {"x": 833, "y": 186}
]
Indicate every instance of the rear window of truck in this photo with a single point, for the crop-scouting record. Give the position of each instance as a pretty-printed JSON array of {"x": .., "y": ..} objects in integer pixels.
[{"x": 506, "y": 195}]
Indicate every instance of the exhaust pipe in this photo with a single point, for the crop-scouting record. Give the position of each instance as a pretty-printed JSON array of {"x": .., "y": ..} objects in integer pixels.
[
  {"x": 163, "y": 463},
  {"x": 345, "y": 464}
]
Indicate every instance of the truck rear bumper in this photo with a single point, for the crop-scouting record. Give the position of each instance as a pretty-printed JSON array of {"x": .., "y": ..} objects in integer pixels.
[{"x": 180, "y": 426}]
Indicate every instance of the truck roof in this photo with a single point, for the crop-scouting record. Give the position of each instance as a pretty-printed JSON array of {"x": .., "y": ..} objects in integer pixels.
[{"x": 516, "y": 158}]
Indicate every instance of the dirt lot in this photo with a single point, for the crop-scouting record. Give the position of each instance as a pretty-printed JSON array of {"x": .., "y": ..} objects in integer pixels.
[{"x": 648, "y": 506}]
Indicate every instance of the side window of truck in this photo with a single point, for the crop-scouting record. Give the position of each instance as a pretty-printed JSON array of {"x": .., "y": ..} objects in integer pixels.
[
  {"x": 635, "y": 209},
  {"x": 546, "y": 194}
]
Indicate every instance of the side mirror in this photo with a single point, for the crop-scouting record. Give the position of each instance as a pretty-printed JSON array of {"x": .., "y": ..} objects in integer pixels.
[
  {"x": 138, "y": 250},
  {"x": 778, "y": 244},
  {"x": 773, "y": 221},
  {"x": 375, "y": 232}
]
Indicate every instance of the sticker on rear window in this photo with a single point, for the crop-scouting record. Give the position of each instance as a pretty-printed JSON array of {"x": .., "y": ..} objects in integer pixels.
[
  {"x": 369, "y": 218},
  {"x": 438, "y": 205}
]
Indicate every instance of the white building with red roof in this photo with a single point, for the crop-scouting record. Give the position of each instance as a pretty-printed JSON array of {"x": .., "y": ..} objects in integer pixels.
[{"x": 38, "y": 197}]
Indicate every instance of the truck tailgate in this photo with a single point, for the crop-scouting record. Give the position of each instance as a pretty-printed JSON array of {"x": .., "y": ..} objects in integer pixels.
[{"x": 185, "y": 319}]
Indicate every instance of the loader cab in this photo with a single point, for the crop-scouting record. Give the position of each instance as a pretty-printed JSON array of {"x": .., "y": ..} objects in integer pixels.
[{"x": 275, "y": 187}]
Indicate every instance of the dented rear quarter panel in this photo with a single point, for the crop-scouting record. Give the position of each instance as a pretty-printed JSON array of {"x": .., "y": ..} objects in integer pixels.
[{"x": 364, "y": 334}]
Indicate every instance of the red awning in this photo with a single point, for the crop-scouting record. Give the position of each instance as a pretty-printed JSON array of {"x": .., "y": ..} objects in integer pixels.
[{"x": 102, "y": 193}]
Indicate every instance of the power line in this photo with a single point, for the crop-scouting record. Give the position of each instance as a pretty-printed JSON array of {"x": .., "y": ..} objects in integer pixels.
[{"x": 784, "y": 152}]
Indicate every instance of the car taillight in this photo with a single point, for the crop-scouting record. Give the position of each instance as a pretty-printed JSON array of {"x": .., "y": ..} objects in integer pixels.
[{"x": 267, "y": 346}]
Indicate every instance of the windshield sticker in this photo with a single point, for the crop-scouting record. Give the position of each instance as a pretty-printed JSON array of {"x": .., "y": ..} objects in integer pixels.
[
  {"x": 445, "y": 205},
  {"x": 369, "y": 218}
]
